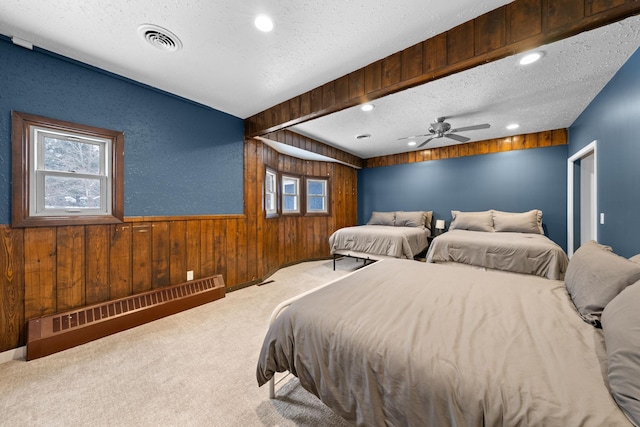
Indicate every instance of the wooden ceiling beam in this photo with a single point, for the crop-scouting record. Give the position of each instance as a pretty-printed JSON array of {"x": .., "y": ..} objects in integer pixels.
[{"x": 514, "y": 28}]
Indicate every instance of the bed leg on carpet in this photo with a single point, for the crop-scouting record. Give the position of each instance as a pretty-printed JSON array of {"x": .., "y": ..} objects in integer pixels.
[{"x": 272, "y": 388}]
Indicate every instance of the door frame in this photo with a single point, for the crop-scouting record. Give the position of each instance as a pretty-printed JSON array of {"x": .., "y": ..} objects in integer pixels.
[{"x": 591, "y": 148}]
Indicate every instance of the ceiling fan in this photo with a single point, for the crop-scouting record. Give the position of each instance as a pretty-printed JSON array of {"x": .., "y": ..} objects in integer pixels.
[{"x": 441, "y": 129}]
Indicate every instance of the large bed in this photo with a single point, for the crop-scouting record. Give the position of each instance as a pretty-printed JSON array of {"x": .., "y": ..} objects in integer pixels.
[
  {"x": 399, "y": 343},
  {"x": 502, "y": 241},
  {"x": 386, "y": 235}
]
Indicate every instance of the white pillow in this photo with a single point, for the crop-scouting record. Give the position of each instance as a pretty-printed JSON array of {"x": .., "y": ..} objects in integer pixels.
[
  {"x": 474, "y": 221},
  {"x": 382, "y": 218},
  {"x": 525, "y": 222}
]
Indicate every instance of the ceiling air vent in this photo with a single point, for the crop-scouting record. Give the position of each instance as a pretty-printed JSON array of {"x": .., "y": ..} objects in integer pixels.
[{"x": 160, "y": 38}]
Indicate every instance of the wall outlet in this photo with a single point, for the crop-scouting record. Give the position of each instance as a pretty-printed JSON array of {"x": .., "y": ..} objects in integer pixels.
[{"x": 189, "y": 275}]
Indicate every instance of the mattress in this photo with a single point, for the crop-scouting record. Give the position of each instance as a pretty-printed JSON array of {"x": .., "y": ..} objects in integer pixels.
[
  {"x": 388, "y": 241},
  {"x": 417, "y": 344},
  {"x": 516, "y": 252}
]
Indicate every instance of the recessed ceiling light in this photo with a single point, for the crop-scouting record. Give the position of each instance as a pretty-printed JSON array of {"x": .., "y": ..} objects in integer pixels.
[
  {"x": 411, "y": 143},
  {"x": 530, "y": 58},
  {"x": 263, "y": 23},
  {"x": 363, "y": 136},
  {"x": 513, "y": 126},
  {"x": 367, "y": 107}
]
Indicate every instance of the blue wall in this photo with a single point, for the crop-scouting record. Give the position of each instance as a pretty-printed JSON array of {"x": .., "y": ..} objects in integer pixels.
[
  {"x": 181, "y": 158},
  {"x": 514, "y": 181},
  {"x": 613, "y": 119}
]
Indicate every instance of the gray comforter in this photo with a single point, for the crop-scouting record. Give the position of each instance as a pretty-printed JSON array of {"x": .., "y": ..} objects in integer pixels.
[
  {"x": 397, "y": 242},
  {"x": 404, "y": 343},
  {"x": 517, "y": 252}
]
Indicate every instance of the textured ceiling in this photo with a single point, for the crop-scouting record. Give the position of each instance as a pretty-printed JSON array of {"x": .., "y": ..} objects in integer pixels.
[
  {"x": 225, "y": 62},
  {"x": 549, "y": 94}
]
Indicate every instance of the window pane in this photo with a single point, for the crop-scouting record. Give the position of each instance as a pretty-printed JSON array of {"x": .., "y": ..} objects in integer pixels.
[
  {"x": 289, "y": 189},
  {"x": 315, "y": 188},
  {"x": 290, "y": 203},
  {"x": 316, "y": 204},
  {"x": 71, "y": 156},
  {"x": 64, "y": 193},
  {"x": 271, "y": 202}
]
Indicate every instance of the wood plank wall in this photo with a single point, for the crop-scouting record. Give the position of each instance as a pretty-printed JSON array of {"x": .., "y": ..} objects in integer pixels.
[
  {"x": 516, "y": 27},
  {"x": 45, "y": 270},
  {"x": 516, "y": 142}
]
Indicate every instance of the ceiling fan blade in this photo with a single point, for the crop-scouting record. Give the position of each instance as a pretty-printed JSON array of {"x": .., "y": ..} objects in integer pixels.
[
  {"x": 424, "y": 142},
  {"x": 458, "y": 138},
  {"x": 474, "y": 127},
  {"x": 414, "y": 136}
]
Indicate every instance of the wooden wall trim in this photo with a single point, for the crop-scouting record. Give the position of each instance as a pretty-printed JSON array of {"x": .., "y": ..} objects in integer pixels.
[
  {"x": 517, "y": 27},
  {"x": 516, "y": 142},
  {"x": 134, "y": 219}
]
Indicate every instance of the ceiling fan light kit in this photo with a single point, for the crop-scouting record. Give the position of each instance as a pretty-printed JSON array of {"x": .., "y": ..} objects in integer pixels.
[{"x": 440, "y": 129}]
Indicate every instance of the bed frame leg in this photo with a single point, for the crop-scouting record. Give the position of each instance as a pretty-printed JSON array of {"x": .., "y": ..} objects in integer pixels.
[
  {"x": 334, "y": 262},
  {"x": 272, "y": 388}
]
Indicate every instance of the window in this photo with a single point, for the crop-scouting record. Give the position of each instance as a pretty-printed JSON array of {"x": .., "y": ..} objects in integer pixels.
[
  {"x": 65, "y": 173},
  {"x": 290, "y": 194},
  {"x": 317, "y": 195},
  {"x": 270, "y": 193}
]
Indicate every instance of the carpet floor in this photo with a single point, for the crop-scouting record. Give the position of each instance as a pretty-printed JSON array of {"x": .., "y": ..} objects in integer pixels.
[{"x": 195, "y": 368}]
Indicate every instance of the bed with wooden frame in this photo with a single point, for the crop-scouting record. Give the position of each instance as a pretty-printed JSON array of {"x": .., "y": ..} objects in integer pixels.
[
  {"x": 397, "y": 343},
  {"x": 499, "y": 240},
  {"x": 387, "y": 235}
]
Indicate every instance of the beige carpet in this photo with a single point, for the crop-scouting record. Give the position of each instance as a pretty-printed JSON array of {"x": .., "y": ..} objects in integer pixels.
[{"x": 196, "y": 368}]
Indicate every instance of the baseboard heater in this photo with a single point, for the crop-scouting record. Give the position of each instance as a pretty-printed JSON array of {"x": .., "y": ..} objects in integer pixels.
[{"x": 56, "y": 332}]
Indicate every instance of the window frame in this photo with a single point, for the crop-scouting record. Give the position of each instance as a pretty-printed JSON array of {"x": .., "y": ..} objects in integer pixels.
[
  {"x": 24, "y": 172},
  {"x": 327, "y": 186},
  {"x": 275, "y": 212},
  {"x": 298, "y": 194}
]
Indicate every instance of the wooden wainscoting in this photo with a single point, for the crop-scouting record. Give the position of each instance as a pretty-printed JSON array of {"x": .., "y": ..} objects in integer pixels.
[{"x": 47, "y": 270}]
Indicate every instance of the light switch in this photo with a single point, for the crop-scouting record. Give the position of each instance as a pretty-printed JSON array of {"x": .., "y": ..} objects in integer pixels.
[{"x": 601, "y": 218}]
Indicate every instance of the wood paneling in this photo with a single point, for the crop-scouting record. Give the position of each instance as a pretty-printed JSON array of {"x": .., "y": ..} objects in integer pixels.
[
  {"x": 517, "y": 27},
  {"x": 40, "y": 271},
  {"x": 12, "y": 297},
  {"x": 70, "y": 264},
  {"x": 517, "y": 142},
  {"x": 51, "y": 269},
  {"x": 98, "y": 242}
]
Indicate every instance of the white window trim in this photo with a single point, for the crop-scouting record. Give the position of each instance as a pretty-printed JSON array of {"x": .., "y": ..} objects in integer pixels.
[
  {"x": 38, "y": 174},
  {"x": 273, "y": 195},
  {"x": 295, "y": 194},
  {"x": 325, "y": 201}
]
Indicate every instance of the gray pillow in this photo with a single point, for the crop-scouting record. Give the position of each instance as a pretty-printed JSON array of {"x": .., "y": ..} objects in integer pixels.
[
  {"x": 621, "y": 327},
  {"x": 595, "y": 276},
  {"x": 382, "y": 218},
  {"x": 413, "y": 219},
  {"x": 474, "y": 221},
  {"x": 525, "y": 222}
]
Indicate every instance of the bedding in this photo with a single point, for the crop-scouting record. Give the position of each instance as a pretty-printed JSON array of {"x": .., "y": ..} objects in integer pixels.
[
  {"x": 375, "y": 240},
  {"x": 397, "y": 234},
  {"x": 527, "y": 253},
  {"x": 398, "y": 343}
]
